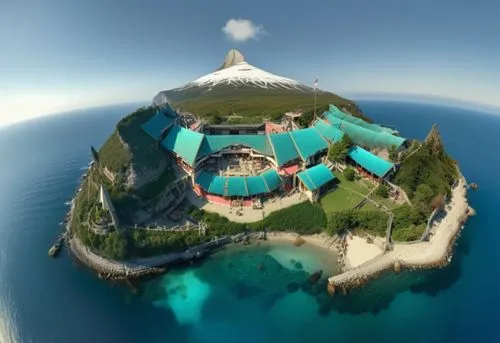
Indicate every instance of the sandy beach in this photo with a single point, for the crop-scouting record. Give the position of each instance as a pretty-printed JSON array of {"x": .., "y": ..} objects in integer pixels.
[
  {"x": 419, "y": 255},
  {"x": 360, "y": 251},
  {"x": 319, "y": 240}
]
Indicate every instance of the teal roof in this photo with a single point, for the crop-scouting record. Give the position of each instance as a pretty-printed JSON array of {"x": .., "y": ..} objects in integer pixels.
[
  {"x": 315, "y": 177},
  {"x": 370, "y": 162},
  {"x": 328, "y": 131},
  {"x": 308, "y": 142},
  {"x": 239, "y": 185},
  {"x": 272, "y": 179},
  {"x": 215, "y": 143},
  {"x": 156, "y": 124},
  {"x": 362, "y": 136},
  {"x": 358, "y": 121},
  {"x": 283, "y": 148},
  {"x": 256, "y": 185},
  {"x": 183, "y": 142}
]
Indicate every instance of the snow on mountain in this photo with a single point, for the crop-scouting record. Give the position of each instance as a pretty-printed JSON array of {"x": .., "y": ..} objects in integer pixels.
[{"x": 237, "y": 72}]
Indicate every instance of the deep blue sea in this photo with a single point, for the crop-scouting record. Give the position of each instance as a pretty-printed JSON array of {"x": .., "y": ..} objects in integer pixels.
[{"x": 229, "y": 298}]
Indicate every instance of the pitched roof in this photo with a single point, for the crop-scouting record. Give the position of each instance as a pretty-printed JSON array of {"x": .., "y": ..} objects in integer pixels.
[
  {"x": 183, "y": 142},
  {"x": 157, "y": 124},
  {"x": 363, "y": 136},
  {"x": 370, "y": 162},
  {"x": 308, "y": 142},
  {"x": 358, "y": 121},
  {"x": 239, "y": 185},
  {"x": 328, "y": 131},
  {"x": 215, "y": 143},
  {"x": 315, "y": 177},
  {"x": 283, "y": 148}
]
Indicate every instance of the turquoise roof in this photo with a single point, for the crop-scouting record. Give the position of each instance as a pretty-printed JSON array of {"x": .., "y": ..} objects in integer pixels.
[
  {"x": 328, "y": 131},
  {"x": 308, "y": 142},
  {"x": 218, "y": 185},
  {"x": 215, "y": 143},
  {"x": 315, "y": 177},
  {"x": 256, "y": 185},
  {"x": 283, "y": 148},
  {"x": 272, "y": 178},
  {"x": 365, "y": 137},
  {"x": 156, "y": 124},
  {"x": 183, "y": 142},
  {"x": 239, "y": 185},
  {"x": 370, "y": 162},
  {"x": 358, "y": 121}
]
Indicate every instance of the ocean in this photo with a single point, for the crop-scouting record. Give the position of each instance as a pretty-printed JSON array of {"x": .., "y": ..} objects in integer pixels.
[{"x": 253, "y": 294}]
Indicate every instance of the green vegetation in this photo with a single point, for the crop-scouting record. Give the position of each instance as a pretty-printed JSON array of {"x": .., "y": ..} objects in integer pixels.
[
  {"x": 409, "y": 223},
  {"x": 154, "y": 188},
  {"x": 430, "y": 167},
  {"x": 303, "y": 218},
  {"x": 146, "y": 243},
  {"x": 382, "y": 191},
  {"x": 374, "y": 222},
  {"x": 256, "y": 102},
  {"x": 337, "y": 152},
  {"x": 349, "y": 174},
  {"x": 142, "y": 150},
  {"x": 341, "y": 198}
]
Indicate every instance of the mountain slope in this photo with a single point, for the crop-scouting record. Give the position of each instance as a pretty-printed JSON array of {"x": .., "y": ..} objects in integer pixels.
[{"x": 239, "y": 89}]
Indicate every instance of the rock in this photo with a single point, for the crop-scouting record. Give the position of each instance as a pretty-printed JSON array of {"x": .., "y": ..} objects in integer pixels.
[
  {"x": 315, "y": 277},
  {"x": 344, "y": 290},
  {"x": 298, "y": 265},
  {"x": 331, "y": 289},
  {"x": 298, "y": 241},
  {"x": 260, "y": 267},
  {"x": 292, "y": 287},
  {"x": 397, "y": 267}
]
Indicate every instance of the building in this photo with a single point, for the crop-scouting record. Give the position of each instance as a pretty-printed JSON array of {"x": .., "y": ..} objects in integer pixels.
[{"x": 242, "y": 163}]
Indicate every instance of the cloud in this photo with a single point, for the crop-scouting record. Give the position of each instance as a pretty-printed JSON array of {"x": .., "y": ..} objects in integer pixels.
[{"x": 241, "y": 30}]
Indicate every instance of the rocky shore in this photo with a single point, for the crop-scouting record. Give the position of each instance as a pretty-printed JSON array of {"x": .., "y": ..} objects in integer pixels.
[{"x": 431, "y": 254}]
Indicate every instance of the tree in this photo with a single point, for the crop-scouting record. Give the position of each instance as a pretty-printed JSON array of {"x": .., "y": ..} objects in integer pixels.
[
  {"x": 340, "y": 222},
  {"x": 393, "y": 154},
  {"x": 338, "y": 151},
  {"x": 349, "y": 174},
  {"x": 382, "y": 191}
]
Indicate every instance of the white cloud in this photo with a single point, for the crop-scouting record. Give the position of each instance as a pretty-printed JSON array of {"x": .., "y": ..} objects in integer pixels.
[{"x": 241, "y": 30}]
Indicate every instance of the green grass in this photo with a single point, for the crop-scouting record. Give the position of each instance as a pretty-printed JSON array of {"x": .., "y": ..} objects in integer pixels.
[
  {"x": 253, "y": 102},
  {"x": 154, "y": 188},
  {"x": 359, "y": 185},
  {"x": 340, "y": 199}
]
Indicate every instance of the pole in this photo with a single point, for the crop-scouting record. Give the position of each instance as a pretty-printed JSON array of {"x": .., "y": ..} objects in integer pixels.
[{"x": 314, "y": 103}]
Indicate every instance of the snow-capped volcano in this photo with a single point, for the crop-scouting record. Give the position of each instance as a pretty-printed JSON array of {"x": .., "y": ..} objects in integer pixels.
[
  {"x": 237, "y": 72},
  {"x": 238, "y": 88}
]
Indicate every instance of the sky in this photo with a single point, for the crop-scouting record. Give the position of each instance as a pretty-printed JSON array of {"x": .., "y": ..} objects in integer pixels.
[{"x": 59, "y": 55}]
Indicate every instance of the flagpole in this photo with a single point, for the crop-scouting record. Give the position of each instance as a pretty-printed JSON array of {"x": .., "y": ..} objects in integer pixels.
[{"x": 315, "y": 86}]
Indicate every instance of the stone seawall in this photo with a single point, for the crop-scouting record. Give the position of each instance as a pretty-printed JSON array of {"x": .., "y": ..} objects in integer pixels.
[{"x": 434, "y": 253}]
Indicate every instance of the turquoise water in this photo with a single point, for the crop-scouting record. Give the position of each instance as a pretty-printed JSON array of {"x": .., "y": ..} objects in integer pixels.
[{"x": 229, "y": 297}]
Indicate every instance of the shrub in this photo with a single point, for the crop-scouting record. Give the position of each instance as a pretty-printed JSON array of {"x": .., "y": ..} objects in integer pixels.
[
  {"x": 382, "y": 191},
  {"x": 350, "y": 174}
]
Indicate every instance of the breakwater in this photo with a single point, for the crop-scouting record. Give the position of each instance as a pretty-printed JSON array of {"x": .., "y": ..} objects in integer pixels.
[{"x": 428, "y": 254}]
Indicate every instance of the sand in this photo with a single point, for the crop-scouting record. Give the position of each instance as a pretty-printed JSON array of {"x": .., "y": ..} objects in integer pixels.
[
  {"x": 360, "y": 251},
  {"x": 422, "y": 254},
  {"x": 319, "y": 240}
]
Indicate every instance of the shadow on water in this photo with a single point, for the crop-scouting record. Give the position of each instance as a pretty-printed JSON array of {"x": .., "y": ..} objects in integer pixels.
[{"x": 251, "y": 276}]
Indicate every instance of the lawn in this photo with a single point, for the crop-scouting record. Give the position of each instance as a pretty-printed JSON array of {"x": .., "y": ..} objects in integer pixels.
[
  {"x": 362, "y": 186},
  {"x": 340, "y": 199}
]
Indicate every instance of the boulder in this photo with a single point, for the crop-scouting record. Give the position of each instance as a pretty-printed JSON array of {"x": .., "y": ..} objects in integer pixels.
[{"x": 298, "y": 241}]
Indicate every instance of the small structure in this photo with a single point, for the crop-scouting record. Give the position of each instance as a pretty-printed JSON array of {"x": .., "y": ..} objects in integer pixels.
[
  {"x": 370, "y": 165},
  {"x": 316, "y": 181},
  {"x": 105, "y": 201}
]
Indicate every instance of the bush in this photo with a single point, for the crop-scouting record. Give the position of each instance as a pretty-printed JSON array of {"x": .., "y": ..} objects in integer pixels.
[
  {"x": 303, "y": 218},
  {"x": 372, "y": 221},
  {"x": 382, "y": 191},
  {"x": 350, "y": 174},
  {"x": 411, "y": 233}
]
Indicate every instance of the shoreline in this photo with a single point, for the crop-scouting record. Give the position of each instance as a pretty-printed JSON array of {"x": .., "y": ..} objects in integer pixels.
[
  {"x": 436, "y": 252},
  {"x": 362, "y": 261}
]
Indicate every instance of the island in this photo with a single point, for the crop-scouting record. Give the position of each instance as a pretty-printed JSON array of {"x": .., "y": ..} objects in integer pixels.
[{"x": 179, "y": 179}]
